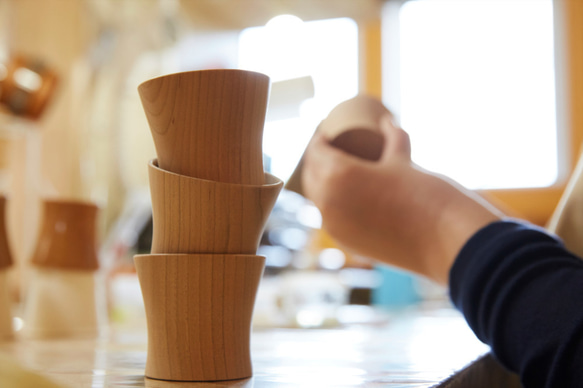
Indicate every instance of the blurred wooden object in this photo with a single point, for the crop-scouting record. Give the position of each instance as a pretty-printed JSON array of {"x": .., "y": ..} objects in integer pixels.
[
  {"x": 14, "y": 374},
  {"x": 26, "y": 85},
  {"x": 209, "y": 124},
  {"x": 61, "y": 303},
  {"x": 5, "y": 262},
  {"x": 485, "y": 372},
  {"x": 354, "y": 127},
  {"x": 67, "y": 237},
  {"x": 361, "y": 113},
  {"x": 5, "y": 255},
  {"x": 6, "y": 331},
  {"x": 62, "y": 295},
  {"x": 193, "y": 215},
  {"x": 199, "y": 310},
  {"x": 567, "y": 220}
]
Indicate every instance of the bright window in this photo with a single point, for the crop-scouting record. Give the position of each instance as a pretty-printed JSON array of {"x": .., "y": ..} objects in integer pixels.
[{"x": 475, "y": 88}]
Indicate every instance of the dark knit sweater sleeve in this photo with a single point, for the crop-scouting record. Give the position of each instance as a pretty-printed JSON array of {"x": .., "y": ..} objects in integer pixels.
[{"x": 521, "y": 292}]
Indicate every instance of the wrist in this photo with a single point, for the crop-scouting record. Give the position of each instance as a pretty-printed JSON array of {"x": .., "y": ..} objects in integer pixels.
[{"x": 463, "y": 214}]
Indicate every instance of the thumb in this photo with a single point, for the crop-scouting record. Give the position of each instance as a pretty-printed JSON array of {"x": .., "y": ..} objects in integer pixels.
[{"x": 397, "y": 143}]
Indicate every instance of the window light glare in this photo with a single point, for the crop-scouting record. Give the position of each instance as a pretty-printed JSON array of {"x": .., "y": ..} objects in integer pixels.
[{"x": 477, "y": 90}]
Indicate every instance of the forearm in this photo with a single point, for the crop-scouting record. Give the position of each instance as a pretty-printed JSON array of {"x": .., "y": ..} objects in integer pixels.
[{"x": 453, "y": 215}]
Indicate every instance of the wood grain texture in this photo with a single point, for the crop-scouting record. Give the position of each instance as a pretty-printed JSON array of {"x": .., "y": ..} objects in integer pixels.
[
  {"x": 354, "y": 127},
  {"x": 199, "y": 310},
  {"x": 193, "y": 215},
  {"x": 209, "y": 124},
  {"x": 5, "y": 255},
  {"x": 67, "y": 236}
]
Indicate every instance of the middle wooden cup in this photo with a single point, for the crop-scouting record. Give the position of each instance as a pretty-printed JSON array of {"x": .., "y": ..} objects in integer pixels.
[{"x": 192, "y": 215}]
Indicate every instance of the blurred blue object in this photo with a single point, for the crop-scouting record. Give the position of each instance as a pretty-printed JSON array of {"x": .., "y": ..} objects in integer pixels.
[{"x": 397, "y": 288}]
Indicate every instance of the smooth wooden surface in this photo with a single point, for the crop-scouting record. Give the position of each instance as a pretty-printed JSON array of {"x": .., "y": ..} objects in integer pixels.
[
  {"x": 417, "y": 348},
  {"x": 67, "y": 236},
  {"x": 209, "y": 124},
  {"x": 5, "y": 255},
  {"x": 193, "y": 215},
  {"x": 354, "y": 127},
  {"x": 5, "y": 307},
  {"x": 360, "y": 112},
  {"x": 199, "y": 310},
  {"x": 485, "y": 372},
  {"x": 61, "y": 304}
]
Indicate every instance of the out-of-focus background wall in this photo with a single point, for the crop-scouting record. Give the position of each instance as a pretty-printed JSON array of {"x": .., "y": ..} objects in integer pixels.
[{"x": 488, "y": 90}]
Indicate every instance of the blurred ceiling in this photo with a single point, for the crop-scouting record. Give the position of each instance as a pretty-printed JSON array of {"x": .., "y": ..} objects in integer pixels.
[{"x": 239, "y": 14}]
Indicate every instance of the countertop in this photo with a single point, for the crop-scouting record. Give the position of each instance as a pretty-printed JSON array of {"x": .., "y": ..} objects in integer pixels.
[{"x": 414, "y": 348}]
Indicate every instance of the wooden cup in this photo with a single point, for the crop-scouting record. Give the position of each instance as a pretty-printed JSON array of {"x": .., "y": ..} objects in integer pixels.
[
  {"x": 6, "y": 331},
  {"x": 5, "y": 256},
  {"x": 354, "y": 127},
  {"x": 209, "y": 124},
  {"x": 192, "y": 215},
  {"x": 67, "y": 237},
  {"x": 199, "y": 309}
]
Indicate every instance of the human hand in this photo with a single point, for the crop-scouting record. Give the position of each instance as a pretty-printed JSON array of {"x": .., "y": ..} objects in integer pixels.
[{"x": 392, "y": 210}]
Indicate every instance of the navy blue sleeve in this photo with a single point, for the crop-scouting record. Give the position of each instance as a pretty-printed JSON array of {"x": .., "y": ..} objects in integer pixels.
[{"x": 521, "y": 292}]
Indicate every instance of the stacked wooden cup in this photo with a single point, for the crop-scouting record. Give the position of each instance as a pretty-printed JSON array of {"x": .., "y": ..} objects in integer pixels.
[{"x": 210, "y": 202}]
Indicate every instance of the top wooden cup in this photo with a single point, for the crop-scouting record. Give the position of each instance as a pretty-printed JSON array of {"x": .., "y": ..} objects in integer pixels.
[{"x": 209, "y": 124}]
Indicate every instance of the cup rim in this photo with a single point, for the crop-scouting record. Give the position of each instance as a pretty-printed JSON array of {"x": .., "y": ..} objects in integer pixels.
[
  {"x": 182, "y": 73},
  {"x": 208, "y": 256},
  {"x": 53, "y": 201},
  {"x": 271, "y": 180}
]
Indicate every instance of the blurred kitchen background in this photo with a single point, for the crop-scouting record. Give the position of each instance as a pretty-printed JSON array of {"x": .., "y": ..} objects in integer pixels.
[{"x": 488, "y": 90}]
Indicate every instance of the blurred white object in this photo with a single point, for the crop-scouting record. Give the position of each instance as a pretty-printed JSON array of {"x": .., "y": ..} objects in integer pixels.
[
  {"x": 311, "y": 299},
  {"x": 287, "y": 96},
  {"x": 64, "y": 303}
]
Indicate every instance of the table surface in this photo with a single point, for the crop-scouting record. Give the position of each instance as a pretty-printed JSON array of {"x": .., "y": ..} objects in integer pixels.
[{"x": 416, "y": 348}]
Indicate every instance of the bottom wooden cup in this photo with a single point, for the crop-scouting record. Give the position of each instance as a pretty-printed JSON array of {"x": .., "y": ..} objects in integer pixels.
[{"x": 199, "y": 309}]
